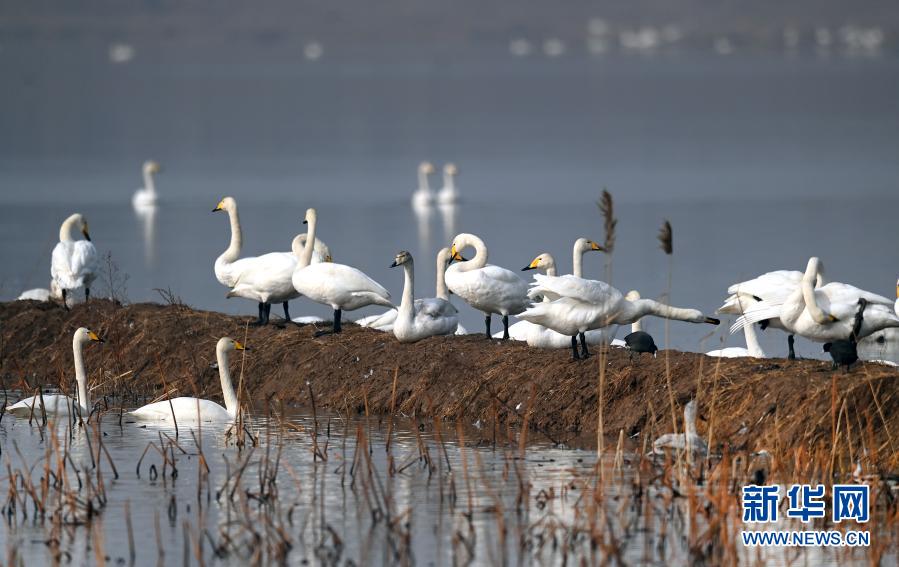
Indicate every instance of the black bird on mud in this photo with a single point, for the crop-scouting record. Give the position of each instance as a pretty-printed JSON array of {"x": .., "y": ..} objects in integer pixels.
[
  {"x": 640, "y": 341},
  {"x": 845, "y": 352}
]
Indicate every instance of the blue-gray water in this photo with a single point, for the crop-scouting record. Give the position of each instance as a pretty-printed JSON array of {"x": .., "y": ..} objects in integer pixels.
[{"x": 758, "y": 162}]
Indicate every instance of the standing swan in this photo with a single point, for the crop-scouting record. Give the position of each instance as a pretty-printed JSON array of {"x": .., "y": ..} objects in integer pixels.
[
  {"x": 146, "y": 195},
  {"x": 825, "y": 313},
  {"x": 448, "y": 194},
  {"x": 577, "y": 305},
  {"x": 264, "y": 279},
  {"x": 422, "y": 318},
  {"x": 74, "y": 261},
  {"x": 486, "y": 287},
  {"x": 193, "y": 410},
  {"x": 342, "y": 287},
  {"x": 58, "y": 404}
]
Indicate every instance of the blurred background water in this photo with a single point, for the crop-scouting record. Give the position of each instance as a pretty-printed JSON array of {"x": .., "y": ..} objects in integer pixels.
[{"x": 762, "y": 143}]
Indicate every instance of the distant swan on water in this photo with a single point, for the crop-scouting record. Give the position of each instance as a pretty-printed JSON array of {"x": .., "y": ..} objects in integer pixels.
[
  {"x": 146, "y": 196},
  {"x": 448, "y": 194}
]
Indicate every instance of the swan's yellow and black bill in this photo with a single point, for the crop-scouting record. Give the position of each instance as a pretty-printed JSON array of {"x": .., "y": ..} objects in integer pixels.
[
  {"x": 220, "y": 206},
  {"x": 712, "y": 321},
  {"x": 93, "y": 336},
  {"x": 595, "y": 246},
  {"x": 239, "y": 346},
  {"x": 455, "y": 256},
  {"x": 85, "y": 231},
  {"x": 533, "y": 265}
]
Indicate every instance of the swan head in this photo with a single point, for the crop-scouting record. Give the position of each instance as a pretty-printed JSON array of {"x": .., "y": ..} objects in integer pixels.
[
  {"x": 402, "y": 257},
  {"x": 450, "y": 169},
  {"x": 227, "y": 344},
  {"x": 543, "y": 262},
  {"x": 463, "y": 240},
  {"x": 226, "y": 204},
  {"x": 311, "y": 216},
  {"x": 632, "y": 295},
  {"x": 84, "y": 335},
  {"x": 75, "y": 220},
  {"x": 445, "y": 257},
  {"x": 151, "y": 167},
  {"x": 586, "y": 245},
  {"x": 84, "y": 228},
  {"x": 426, "y": 167}
]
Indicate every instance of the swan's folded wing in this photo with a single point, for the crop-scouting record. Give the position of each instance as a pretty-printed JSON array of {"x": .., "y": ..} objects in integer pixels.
[
  {"x": 590, "y": 291},
  {"x": 837, "y": 292},
  {"x": 70, "y": 263},
  {"x": 434, "y": 307},
  {"x": 773, "y": 286},
  {"x": 255, "y": 271},
  {"x": 85, "y": 260}
]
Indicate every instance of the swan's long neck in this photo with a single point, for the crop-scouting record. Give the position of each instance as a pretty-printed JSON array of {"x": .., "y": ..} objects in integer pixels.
[
  {"x": 752, "y": 341},
  {"x": 577, "y": 261},
  {"x": 305, "y": 257},
  {"x": 81, "y": 377},
  {"x": 233, "y": 251},
  {"x": 642, "y": 307},
  {"x": 66, "y": 229},
  {"x": 637, "y": 326},
  {"x": 407, "y": 304},
  {"x": 442, "y": 292},
  {"x": 690, "y": 421},
  {"x": 423, "y": 184},
  {"x": 148, "y": 182},
  {"x": 221, "y": 356},
  {"x": 480, "y": 257},
  {"x": 448, "y": 181},
  {"x": 808, "y": 292}
]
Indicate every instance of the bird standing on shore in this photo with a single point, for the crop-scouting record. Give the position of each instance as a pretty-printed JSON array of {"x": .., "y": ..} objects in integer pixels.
[
  {"x": 74, "y": 261},
  {"x": 639, "y": 342}
]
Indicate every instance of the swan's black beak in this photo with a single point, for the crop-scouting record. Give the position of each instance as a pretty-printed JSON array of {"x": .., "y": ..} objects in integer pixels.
[
  {"x": 305, "y": 221},
  {"x": 216, "y": 210},
  {"x": 712, "y": 321},
  {"x": 526, "y": 268},
  {"x": 394, "y": 264}
]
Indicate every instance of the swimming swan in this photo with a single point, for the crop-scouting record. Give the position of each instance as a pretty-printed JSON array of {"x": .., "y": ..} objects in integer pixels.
[
  {"x": 193, "y": 410},
  {"x": 420, "y": 318},
  {"x": 485, "y": 287},
  {"x": 146, "y": 195},
  {"x": 423, "y": 197},
  {"x": 58, "y": 404},
  {"x": 265, "y": 279},
  {"x": 448, "y": 194},
  {"x": 689, "y": 440},
  {"x": 344, "y": 288},
  {"x": 74, "y": 262},
  {"x": 826, "y": 313},
  {"x": 577, "y": 305}
]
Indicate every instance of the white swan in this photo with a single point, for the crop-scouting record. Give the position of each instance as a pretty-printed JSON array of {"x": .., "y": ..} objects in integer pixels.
[
  {"x": 689, "y": 440},
  {"x": 448, "y": 194},
  {"x": 74, "y": 261},
  {"x": 194, "y": 410},
  {"x": 343, "y": 288},
  {"x": 824, "y": 314},
  {"x": 752, "y": 349},
  {"x": 420, "y": 318},
  {"x": 265, "y": 279},
  {"x": 58, "y": 404},
  {"x": 577, "y": 305},
  {"x": 486, "y": 287},
  {"x": 146, "y": 195},
  {"x": 384, "y": 321},
  {"x": 423, "y": 197}
]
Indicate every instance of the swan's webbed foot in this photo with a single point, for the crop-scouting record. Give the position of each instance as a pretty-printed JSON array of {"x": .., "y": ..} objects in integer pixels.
[
  {"x": 584, "y": 352},
  {"x": 505, "y": 327}
]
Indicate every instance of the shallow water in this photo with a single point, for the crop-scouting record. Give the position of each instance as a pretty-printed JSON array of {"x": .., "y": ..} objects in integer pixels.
[{"x": 473, "y": 503}]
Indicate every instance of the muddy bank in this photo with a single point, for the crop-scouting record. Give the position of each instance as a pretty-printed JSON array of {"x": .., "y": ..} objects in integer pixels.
[{"x": 750, "y": 404}]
